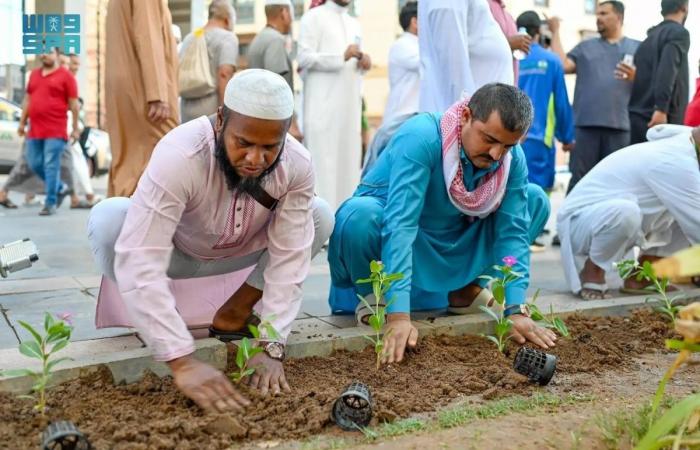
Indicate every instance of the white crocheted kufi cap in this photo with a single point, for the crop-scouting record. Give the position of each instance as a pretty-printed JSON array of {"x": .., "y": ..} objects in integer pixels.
[
  {"x": 278, "y": 2},
  {"x": 259, "y": 93}
]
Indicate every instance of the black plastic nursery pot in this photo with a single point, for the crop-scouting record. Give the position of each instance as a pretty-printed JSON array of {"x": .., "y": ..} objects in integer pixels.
[
  {"x": 538, "y": 366},
  {"x": 353, "y": 408},
  {"x": 63, "y": 435}
]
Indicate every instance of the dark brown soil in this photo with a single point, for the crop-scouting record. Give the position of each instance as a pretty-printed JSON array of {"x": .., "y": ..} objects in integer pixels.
[{"x": 153, "y": 415}]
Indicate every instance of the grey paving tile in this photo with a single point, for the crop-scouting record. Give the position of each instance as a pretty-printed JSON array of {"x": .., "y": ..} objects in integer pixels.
[
  {"x": 13, "y": 359},
  {"x": 30, "y": 307},
  {"x": 345, "y": 321},
  {"x": 348, "y": 321},
  {"x": 19, "y": 286},
  {"x": 311, "y": 326},
  {"x": 315, "y": 302},
  {"x": 50, "y": 300},
  {"x": 92, "y": 281},
  {"x": 7, "y": 336}
]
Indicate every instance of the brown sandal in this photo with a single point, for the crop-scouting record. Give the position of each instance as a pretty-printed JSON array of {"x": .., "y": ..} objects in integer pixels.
[
  {"x": 594, "y": 291},
  {"x": 9, "y": 204}
]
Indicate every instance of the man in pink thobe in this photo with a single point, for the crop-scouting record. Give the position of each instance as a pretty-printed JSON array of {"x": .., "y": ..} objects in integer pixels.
[{"x": 219, "y": 195}]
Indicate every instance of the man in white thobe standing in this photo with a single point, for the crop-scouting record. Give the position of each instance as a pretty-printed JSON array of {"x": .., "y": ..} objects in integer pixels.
[
  {"x": 462, "y": 48},
  {"x": 404, "y": 67},
  {"x": 332, "y": 65},
  {"x": 645, "y": 195}
]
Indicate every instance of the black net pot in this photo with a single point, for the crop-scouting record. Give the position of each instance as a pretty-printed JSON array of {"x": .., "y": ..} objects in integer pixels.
[
  {"x": 64, "y": 435},
  {"x": 353, "y": 408},
  {"x": 538, "y": 366}
]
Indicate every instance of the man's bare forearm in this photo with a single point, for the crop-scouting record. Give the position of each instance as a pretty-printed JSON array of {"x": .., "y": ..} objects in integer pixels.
[
  {"x": 224, "y": 74},
  {"x": 75, "y": 110},
  {"x": 558, "y": 48},
  {"x": 25, "y": 110}
]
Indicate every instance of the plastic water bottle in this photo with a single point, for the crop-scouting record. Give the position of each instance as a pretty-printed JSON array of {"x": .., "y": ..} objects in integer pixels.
[{"x": 519, "y": 54}]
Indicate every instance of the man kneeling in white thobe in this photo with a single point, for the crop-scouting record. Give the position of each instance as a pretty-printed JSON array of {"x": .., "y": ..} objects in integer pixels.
[
  {"x": 219, "y": 194},
  {"x": 645, "y": 195}
]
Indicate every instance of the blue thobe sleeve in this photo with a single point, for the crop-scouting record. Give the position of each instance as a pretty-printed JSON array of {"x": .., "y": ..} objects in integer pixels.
[
  {"x": 411, "y": 166},
  {"x": 562, "y": 107},
  {"x": 512, "y": 222}
]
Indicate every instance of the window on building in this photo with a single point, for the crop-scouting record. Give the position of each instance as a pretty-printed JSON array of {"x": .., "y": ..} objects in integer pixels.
[
  {"x": 590, "y": 6},
  {"x": 245, "y": 11},
  {"x": 542, "y": 3}
]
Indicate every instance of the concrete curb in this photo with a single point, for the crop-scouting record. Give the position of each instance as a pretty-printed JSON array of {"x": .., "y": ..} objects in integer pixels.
[
  {"x": 351, "y": 339},
  {"x": 129, "y": 365}
]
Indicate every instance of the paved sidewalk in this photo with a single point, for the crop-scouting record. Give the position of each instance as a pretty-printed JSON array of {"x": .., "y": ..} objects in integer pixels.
[{"x": 65, "y": 279}]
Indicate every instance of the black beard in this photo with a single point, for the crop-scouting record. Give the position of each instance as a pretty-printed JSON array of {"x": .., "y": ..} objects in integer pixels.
[{"x": 234, "y": 181}]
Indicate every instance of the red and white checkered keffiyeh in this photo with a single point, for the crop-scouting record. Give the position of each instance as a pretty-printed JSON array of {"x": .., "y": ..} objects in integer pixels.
[
  {"x": 487, "y": 196},
  {"x": 315, "y": 3}
]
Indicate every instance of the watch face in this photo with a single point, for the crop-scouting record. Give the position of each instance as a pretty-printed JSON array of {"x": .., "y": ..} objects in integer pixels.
[
  {"x": 525, "y": 310},
  {"x": 275, "y": 350}
]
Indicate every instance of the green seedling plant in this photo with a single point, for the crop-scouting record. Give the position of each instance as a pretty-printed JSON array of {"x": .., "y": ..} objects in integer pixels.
[
  {"x": 498, "y": 288},
  {"x": 547, "y": 320},
  {"x": 57, "y": 332},
  {"x": 246, "y": 350},
  {"x": 685, "y": 415},
  {"x": 666, "y": 304},
  {"x": 381, "y": 282}
]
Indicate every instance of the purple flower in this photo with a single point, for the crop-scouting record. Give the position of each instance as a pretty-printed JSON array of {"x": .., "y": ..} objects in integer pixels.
[
  {"x": 510, "y": 261},
  {"x": 66, "y": 317}
]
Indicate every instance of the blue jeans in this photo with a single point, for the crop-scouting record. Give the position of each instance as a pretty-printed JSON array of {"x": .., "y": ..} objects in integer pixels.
[{"x": 44, "y": 158}]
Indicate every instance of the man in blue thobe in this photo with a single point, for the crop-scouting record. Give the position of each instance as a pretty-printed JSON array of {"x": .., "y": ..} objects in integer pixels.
[
  {"x": 403, "y": 215},
  {"x": 542, "y": 79}
]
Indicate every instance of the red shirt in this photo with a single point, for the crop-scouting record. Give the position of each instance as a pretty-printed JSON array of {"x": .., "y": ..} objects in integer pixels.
[
  {"x": 692, "y": 114},
  {"x": 48, "y": 105}
]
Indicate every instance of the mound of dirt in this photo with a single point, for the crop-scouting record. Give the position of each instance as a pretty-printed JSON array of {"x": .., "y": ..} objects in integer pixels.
[{"x": 152, "y": 414}]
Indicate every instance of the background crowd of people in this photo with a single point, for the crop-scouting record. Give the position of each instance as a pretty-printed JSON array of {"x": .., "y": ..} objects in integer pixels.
[{"x": 623, "y": 86}]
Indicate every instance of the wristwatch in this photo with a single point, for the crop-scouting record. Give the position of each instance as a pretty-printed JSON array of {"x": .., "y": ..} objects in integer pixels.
[
  {"x": 517, "y": 309},
  {"x": 274, "y": 350}
]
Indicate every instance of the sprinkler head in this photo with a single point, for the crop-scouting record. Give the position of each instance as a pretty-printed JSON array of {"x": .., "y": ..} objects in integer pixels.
[
  {"x": 352, "y": 410},
  {"x": 64, "y": 435},
  {"x": 538, "y": 366}
]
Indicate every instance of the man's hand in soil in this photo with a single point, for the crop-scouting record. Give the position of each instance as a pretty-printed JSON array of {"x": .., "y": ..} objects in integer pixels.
[
  {"x": 525, "y": 329},
  {"x": 399, "y": 333},
  {"x": 269, "y": 375},
  {"x": 206, "y": 386}
]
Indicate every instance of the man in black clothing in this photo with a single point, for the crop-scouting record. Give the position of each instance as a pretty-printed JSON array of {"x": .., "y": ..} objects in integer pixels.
[{"x": 660, "y": 91}]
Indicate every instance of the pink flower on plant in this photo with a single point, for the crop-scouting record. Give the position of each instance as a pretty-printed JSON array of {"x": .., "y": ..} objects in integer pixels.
[
  {"x": 66, "y": 317},
  {"x": 510, "y": 261}
]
